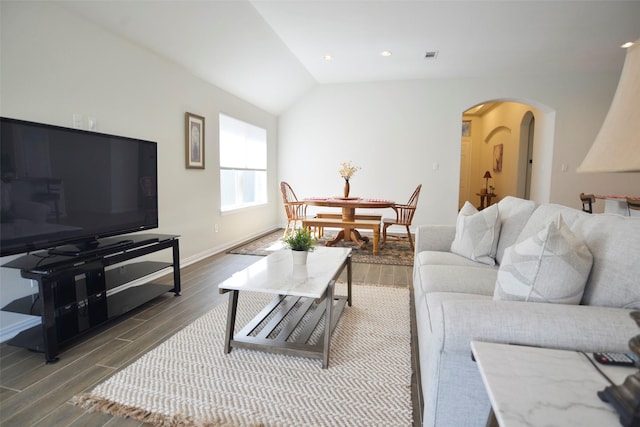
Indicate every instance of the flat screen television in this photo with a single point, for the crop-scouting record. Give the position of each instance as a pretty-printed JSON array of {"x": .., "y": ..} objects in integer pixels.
[{"x": 63, "y": 187}]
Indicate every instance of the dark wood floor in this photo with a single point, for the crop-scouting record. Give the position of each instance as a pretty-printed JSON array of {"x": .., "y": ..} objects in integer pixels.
[{"x": 33, "y": 393}]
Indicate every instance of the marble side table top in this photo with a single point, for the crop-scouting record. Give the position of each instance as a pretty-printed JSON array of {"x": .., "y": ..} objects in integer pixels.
[{"x": 532, "y": 386}]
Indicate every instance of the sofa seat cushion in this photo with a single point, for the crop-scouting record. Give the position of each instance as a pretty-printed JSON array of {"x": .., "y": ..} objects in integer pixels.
[
  {"x": 477, "y": 233},
  {"x": 552, "y": 266},
  {"x": 478, "y": 280},
  {"x": 614, "y": 241}
]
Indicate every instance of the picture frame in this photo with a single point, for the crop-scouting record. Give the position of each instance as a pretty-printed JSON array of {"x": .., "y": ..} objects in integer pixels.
[
  {"x": 497, "y": 157},
  {"x": 194, "y": 141},
  {"x": 466, "y": 128}
]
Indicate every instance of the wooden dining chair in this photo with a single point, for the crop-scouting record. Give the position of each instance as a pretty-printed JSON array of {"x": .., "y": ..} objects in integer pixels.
[
  {"x": 633, "y": 205},
  {"x": 296, "y": 210},
  {"x": 587, "y": 202},
  {"x": 404, "y": 216}
]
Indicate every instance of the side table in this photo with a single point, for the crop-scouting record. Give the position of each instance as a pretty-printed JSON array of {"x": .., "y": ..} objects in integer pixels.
[
  {"x": 533, "y": 386},
  {"x": 487, "y": 197}
]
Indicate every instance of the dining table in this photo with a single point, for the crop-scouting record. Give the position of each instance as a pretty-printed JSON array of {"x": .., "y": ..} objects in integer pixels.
[{"x": 348, "y": 205}]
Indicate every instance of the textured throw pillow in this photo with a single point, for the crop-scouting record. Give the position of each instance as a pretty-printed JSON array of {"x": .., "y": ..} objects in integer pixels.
[
  {"x": 551, "y": 266},
  {"x": 477, "y": 233}
]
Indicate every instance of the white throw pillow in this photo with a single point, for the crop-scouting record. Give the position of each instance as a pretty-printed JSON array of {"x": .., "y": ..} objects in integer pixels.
[
  {"x": 551, "y": 266},
  {"x": 477, "y": 233}
]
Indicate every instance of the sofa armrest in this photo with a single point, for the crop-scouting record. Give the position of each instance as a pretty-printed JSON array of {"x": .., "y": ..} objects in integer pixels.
[
  {"x": 434, "y": 238},
  {"x": 571, "y": 327}
]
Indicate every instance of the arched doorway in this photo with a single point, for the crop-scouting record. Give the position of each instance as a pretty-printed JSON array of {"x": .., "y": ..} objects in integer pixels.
[{"x": 497, "y": 141}]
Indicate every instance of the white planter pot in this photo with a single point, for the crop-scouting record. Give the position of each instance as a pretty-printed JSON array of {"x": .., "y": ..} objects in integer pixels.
[{"x": 299, "y": 257}]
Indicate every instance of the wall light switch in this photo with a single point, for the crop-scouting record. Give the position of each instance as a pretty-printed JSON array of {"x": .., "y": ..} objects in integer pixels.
[
  {"x": 436, "y": 166},
  {"x": 565, "y": 167},
  {"x": 92, "y": 123},
  {"x": 77, "y": 121}
]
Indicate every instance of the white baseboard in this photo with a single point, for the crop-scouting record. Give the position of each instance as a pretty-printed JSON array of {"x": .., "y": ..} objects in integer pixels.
[{"x": 11, "y": 324}]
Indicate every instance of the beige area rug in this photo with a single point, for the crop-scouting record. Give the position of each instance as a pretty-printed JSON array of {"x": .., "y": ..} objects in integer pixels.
[
  {"x": 395, "y": 252},
  {"x": 188, "y": 380}
]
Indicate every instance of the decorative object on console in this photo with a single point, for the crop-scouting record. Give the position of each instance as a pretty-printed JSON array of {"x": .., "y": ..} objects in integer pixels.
[
  {"x": 487, "y": 177},
  {"x": 194, "y": 141},
  {"x": 625, "y": 398},
  {"x": 346, "y": 171},
  {"x": 301, "y": 242},
  {"x": 616, "y": 148}
]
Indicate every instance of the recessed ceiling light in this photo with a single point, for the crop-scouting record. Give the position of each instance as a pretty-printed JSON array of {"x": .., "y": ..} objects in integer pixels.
[
  {"x": 328, "y": 57},
  {"x": 627, "y": 45},
  {"x": 385, "y": 53}
]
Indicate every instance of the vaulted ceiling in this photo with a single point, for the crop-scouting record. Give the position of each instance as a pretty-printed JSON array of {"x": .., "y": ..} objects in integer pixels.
[{"x": 271, "y": 52}]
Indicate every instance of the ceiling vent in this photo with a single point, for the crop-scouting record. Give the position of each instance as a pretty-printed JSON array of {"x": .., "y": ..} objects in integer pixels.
[{"x": 431, "y": 54}]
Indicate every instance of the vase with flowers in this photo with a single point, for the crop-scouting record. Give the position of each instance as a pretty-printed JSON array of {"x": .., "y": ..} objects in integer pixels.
[{"x": 346, "y": 172}]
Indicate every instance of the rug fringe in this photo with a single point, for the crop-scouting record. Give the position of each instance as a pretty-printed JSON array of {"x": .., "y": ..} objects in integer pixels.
[{"x": 94, "y": 403}]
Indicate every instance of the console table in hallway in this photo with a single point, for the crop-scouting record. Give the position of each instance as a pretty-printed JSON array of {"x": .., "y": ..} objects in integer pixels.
[{"x": 487, "y": 197}]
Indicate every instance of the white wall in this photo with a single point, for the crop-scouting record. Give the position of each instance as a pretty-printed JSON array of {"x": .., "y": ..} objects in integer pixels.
[
  {"x": 54, "y": 65},
  {"x": 397, "y": 131}
]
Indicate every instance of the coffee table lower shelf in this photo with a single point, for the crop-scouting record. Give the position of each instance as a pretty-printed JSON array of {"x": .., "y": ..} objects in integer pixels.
[{"x": 279, "y": 327}]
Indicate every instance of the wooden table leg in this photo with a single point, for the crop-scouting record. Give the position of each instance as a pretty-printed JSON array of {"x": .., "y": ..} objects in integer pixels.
[
  {"x": 376, "y": 240},
  {"x": 339, "y": 237},
  {"x": 355, "y": 238}
]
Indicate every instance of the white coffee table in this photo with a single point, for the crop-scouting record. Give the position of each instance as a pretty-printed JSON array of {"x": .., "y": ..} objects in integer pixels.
[{"x": 301, "y": 291}]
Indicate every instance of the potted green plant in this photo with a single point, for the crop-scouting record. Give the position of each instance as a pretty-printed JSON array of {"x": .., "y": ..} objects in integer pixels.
[{"x": 301, "y": 242}]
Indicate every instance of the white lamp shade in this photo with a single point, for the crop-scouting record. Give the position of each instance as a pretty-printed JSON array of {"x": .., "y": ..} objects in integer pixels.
[{"x": 617, "y": 146}]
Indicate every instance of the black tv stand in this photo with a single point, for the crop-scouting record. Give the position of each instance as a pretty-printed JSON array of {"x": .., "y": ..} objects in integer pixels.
[
  {"x": 90, "y": 247},
  {"x": 77, "y": 292}
]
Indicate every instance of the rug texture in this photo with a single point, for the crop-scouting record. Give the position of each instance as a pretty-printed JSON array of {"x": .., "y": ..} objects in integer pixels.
[
  {"x": 189, "y": 381},
  {"x": 395, "y": 252}
]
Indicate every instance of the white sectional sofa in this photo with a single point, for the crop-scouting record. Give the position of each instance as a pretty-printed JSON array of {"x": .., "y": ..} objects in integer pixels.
[{"x": 455, "y": 303}]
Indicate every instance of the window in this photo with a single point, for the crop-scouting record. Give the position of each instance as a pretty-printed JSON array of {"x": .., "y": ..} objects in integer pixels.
[{"x": 243, "y": 164}]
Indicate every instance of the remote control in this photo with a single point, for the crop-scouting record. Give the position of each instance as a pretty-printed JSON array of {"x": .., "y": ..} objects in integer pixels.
[{"x": 622, "y": 359}]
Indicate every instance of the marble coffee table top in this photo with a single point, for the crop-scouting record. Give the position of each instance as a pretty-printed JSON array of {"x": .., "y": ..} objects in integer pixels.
[{"x": 277, "y": 274}]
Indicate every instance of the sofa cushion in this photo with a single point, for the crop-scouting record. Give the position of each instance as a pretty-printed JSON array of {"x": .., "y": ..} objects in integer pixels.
[
  {"x": 552, "y": 266},
  {"x": 543, "y": 214},
  {"x": 477, "y": 233},
  {"x": 479, "y": 280},
  {"x": 614, "y": 241},
  {"x": 445, "y": 258},
  {"x": 514, "y": 214}
]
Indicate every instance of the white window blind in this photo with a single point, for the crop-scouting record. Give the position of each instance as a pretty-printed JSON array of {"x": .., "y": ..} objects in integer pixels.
[{"x": 243, "y": 164}]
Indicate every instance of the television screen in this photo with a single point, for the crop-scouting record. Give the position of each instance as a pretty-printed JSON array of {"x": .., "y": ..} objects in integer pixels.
[{"x": 62, "y": 186}]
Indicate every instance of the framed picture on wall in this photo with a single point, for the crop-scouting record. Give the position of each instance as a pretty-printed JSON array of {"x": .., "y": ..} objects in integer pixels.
[
  {"x": 466, "y": 128},
  {"x": 497, "y": 158},
  {"x": 194, "y": 141}
]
